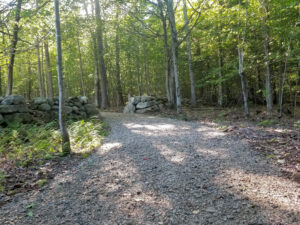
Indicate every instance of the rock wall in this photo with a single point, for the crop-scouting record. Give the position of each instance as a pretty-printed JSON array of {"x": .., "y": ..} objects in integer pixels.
[
  {"x": 143, "y": 104},
  {"x": 14, "y": 108}
]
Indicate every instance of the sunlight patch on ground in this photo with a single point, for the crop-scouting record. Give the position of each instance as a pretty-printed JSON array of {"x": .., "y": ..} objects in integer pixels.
[
  {"x": 150, "y": 127},
  {"x": 262, "y": 189},
  {"x": 107, "y": 147},
  {"x": 217, "y": 152},
  {"x": 171, "y": 155}
]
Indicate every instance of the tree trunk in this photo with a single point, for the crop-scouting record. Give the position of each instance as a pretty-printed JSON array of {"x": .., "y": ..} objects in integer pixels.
[
  {"x": 29, "y": 85},
  {"x": 174, "y": 46},
  {"x": 170, "y": 90},
  {"x": 241, "y": 63},
  {"x": 267, "y": 58},
  {"x": 12, "y": 51},
  {"x": 48, "y": 70},
  {"x": 220, "y": 86},
  {"x": 120, "y": 101},
  {"x": 190, "y": 59},
  {"x": 145, "y": 68},
  {"x": 39, "y": 70},
  {"x": 83, "y": 92},
  {"x": 104, "y": 94},
  {"x": 66, "y": 148},
  {"x": 138, "y": 76}
]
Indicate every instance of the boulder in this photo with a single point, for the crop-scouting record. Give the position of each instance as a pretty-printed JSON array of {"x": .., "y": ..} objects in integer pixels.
[
  {"x": 91, "y": 109},
  {"x": 147, "y": 98},
  {"x": 135, "y": 100},
  {"x": 68, "y": 109},
  {"x": 13, "y": 100},
  {"x": 83, "y": 99},
  {"x": 44, "y": 107},
  {"x": 1, "y": 99},
  {"x": 6, "y": 109},
  {"x": 40, "y": 100},
  {"x": 18, "y": 117},
  {"x": 130, "y": 108},
  {"x": 141, "y": 111},
  {"x": 143, "y": 105}
]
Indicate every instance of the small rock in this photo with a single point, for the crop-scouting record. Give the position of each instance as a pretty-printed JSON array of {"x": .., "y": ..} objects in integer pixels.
[{"x": 211, "y": 210}]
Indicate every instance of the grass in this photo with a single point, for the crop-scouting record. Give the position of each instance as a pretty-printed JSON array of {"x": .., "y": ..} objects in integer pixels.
[
  {"x": 266, "y": 123},
  {"x": 28, "y": 144}
]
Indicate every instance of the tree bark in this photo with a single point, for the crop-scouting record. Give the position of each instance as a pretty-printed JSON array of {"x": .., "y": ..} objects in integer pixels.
[
  {"x": 120, "y": 101},
  {"x": 66, "y": 148},
  {"x": 267, "y": 60},
  {"x": 189, "y": 53},
  {"x": 104, "y": 93},
  {"x": 170, "y": 90},
  {"x": 83, "y": 92},
  {"x": 220, "y": 86},
  {"x": 39, "y": 70},
  {"x": 13, "y": 46},
  {"x": 174, "y": 46},
  {"x": 48, "y": 70},
  {"x": 241, "y": 63}
]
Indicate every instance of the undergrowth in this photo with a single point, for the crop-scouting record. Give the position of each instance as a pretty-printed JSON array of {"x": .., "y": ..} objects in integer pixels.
[{"x": 28, "y": 144}]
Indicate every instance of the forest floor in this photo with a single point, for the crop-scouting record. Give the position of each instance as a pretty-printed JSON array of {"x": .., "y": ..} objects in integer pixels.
[{"x": 157, "y": 170}]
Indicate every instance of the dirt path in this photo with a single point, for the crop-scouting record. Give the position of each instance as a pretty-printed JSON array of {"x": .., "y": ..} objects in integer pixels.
[{"x": 160, "y": 171}]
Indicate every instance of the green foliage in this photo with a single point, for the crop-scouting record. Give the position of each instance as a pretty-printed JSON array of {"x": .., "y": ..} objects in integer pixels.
[
  {"x": 42, "y": 182},
  {"x": 27, "y": 144},
  {"x": 266, "y": 123}
]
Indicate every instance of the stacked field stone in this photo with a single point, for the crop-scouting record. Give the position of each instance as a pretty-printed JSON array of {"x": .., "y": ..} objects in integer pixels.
[
  {"x": 144, "y": 104},
  {"x": 14, "y": 108}
]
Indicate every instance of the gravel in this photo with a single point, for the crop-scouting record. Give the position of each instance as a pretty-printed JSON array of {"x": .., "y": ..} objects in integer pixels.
[{"x": 153, "y": 170}]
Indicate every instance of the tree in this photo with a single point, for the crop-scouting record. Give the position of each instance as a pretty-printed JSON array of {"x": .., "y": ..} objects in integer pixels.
[
  {"x": 66, "y": 149},
  {"x": 189, "y": 53},
  {"x": 13, "y": 46},
  {"x": 174, "y": 46},
  {"x": 241, "y": 42},
  {"x": 104, "y": 94}
]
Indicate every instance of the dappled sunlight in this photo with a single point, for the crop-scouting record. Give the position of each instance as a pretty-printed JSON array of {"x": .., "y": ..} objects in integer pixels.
[
  {"x": 170, "y": 155},
  {"x": 217, "y": 152},
  {"x": 107, "y": 147},
  {"x": 262, "y": 189},
  {"x": 206, "y": 133},
  {"x": 160, "y": 127}
]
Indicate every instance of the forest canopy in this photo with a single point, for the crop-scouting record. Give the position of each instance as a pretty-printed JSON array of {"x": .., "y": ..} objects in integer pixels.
[{"x": 218, "y": 52}]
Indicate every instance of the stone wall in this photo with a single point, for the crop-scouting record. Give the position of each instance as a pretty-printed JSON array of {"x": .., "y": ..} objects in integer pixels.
[
  {"x": 14, "y": 108},
  {"x": 143, "y": 104}
]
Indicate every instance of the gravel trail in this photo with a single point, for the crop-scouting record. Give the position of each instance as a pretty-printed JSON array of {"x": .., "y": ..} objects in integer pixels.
[{"x": 153, "y": 170}]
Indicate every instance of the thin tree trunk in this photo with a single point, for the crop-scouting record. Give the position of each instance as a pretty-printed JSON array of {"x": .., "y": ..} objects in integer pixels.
[
  {"x": 120, "y": 101},
  {"x": 241, "y": 63},
  {"x": 29, "y": 80},
  {"x": 174, "y": 46},
  {"x": 137, "y": 62},
  {"x": 145, "y": 69},
  {"x": 66, "y": 148},
  {"x": 12, "y": 52},
  {"x": 104, "y": 93},
  {"x": 83, "y": 92},
  {"x": 267, "y": 57},
  {"x": 39, "y": 70},
  {"x": 48, "y": 70},
  {"x": 220, "y": 85},
  {"x": 190, "y": 59}
]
